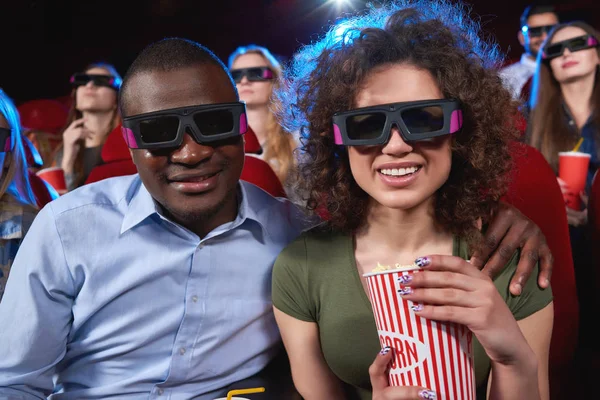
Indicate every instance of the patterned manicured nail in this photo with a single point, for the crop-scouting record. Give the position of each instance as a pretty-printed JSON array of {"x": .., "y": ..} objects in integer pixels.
[
  {"x": 405, "y": 291},
  {"x": 385, "y": 350},
  {"x": 404, "y": 279},
  {"x": 427, "y": 395},
  {"x": 417, "y": 307},
  {"x": 422, "y": 262}
]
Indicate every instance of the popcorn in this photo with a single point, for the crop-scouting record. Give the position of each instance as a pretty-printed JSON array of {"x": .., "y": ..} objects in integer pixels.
[{"x": 397, "y": 266}]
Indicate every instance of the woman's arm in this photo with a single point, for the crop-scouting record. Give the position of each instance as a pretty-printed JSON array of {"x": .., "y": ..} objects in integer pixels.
[
  {"x": 312, "y": 377},
  {"x": 450, "y": 289},
  {"x": 512, "y": 379}
]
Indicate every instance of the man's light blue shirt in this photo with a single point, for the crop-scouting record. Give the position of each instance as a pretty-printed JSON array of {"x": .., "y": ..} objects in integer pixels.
[{"x": 108, "y": 298}]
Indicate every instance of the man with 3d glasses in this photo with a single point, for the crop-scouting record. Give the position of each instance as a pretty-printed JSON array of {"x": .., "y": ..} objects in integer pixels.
[
  {"x": 536, "y": 22},
  {"x": 158, "y": 285}
]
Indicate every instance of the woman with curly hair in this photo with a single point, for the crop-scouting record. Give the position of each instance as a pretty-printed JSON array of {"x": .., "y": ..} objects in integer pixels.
[{"x": 407, "y": 136}]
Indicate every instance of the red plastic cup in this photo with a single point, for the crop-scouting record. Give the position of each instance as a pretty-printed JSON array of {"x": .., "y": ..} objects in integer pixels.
[
  {"x": 432, "y": 354},
  {"x": 573, "y": 169},
  {"x": 55, "y": 176}
]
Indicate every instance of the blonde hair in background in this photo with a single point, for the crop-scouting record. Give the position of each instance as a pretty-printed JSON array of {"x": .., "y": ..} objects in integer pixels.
[
  {"x": 280, "y": 144},
  {"x": 549, "y": 132}
]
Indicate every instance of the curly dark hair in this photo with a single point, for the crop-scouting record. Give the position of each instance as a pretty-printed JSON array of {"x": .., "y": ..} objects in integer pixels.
[{"x": 437, "y": 36}]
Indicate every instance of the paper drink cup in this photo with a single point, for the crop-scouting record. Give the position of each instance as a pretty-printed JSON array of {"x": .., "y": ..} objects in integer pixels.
[
  {"x": 431, "y": 354},
  {"x": 573, "y": 169},
  {"x": 55, "y": 176}
]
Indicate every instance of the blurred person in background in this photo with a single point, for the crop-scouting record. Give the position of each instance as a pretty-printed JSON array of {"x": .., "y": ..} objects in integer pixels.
[
  {"x": 257, "y": 73},
  {"x": 17, "y": 202},
  {"x": 536, "y": 22},
  {"x": 565, "y": 101},
  {"x": 565, "y": 108},
  {"x": 92, "y": 117}
]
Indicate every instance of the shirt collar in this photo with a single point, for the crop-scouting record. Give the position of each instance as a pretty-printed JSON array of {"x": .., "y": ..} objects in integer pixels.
[
  {"x": 528, "y": 62},
  {"x": 141, "y": 205},
  {"x": 246, "y": 211},
  {"x": 571, "y": 120}
]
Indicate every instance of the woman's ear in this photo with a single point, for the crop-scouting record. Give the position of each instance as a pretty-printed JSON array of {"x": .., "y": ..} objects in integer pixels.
[{"x": 7, "y": 161}]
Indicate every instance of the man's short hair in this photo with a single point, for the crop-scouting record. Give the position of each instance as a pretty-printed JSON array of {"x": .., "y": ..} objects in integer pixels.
[
  {"x": 536, "y": 9},
  {"x": 167, "y": 55}
]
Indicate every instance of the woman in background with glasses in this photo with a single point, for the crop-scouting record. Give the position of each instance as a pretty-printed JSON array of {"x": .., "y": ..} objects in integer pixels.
[
  {"x": 93, "y": 115},
  {"x": 257, "y": 73},
  {"x": 565, "y": 101},
  {"x": 565, "y": 109}
]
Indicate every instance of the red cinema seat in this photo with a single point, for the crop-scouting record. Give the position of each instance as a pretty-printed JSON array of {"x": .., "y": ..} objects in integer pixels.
[
  {"x": 251, "y": 144},
  {"x": 535, "y": 192},
  {"x": 594, "y": 225},
  {"x": 116, "y": 157},
  {"x": 43, "y": 192},
  {"x": 46, "y": 115},
  {"x": 260, "y": 173}
]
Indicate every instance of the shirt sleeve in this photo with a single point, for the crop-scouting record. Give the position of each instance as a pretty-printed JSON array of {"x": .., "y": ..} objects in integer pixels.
[
  {"x": 532, "y": 298},
  {"x": 290, "y": 282},
  {"x": 35, "y": 313}
]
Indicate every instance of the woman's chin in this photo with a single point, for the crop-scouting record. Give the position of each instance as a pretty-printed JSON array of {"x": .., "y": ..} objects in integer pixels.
[{"x": 402, "y": 202}]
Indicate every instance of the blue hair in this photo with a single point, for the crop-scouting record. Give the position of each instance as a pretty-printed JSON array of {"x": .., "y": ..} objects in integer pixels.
[
  {"x": 19, "y": 186},
  {"x": 351, "y": 30},
  {"x": 111, "y": 70},
  {"x": 253, "y": 48}
]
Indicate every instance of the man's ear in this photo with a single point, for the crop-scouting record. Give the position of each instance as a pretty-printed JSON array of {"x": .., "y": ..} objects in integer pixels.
[{"x": 521, "y": 38}]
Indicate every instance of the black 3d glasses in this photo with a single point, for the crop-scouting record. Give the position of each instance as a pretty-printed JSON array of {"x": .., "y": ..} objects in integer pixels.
[
  {"x": 98, "y": 80},
  {"x": 5, "y": 140},
  {"x": 536, "y": 31},
  {"x": 254, "y": 74},
  {"x": 166, "y": 128},
  {"x": 575, "y": 44},
  {"x": 416, "y": 120}
]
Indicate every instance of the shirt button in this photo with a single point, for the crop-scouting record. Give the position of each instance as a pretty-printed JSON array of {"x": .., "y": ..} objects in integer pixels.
[
  {"x": 182, "y": 351},
  {"x": 160, "y": 392},
  {"x": 195, "y": 299},
  {"x": 201, "y": 245}
]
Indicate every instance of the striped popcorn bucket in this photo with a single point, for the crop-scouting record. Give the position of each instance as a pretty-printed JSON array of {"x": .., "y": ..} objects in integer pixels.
[{"x": 435, "y": 355}]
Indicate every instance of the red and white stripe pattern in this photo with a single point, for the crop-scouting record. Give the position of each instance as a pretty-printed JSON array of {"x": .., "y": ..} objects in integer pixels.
[{"x": 435, "y": 355}]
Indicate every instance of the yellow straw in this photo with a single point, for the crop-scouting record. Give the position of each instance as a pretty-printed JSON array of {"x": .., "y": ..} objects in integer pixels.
[
  {"x": 232, "y": 393},
  {"x": 578, "y": 144}
]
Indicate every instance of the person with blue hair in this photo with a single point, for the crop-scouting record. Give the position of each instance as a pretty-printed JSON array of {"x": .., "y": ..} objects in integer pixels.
[
  {"x": 407, "y": 136},
  {"x": 93, "y": 115},
  {"x": 18, "y": 206}
]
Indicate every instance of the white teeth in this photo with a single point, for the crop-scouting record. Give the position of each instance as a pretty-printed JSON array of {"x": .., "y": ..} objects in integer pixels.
[{"x": 399, "y": 171}]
